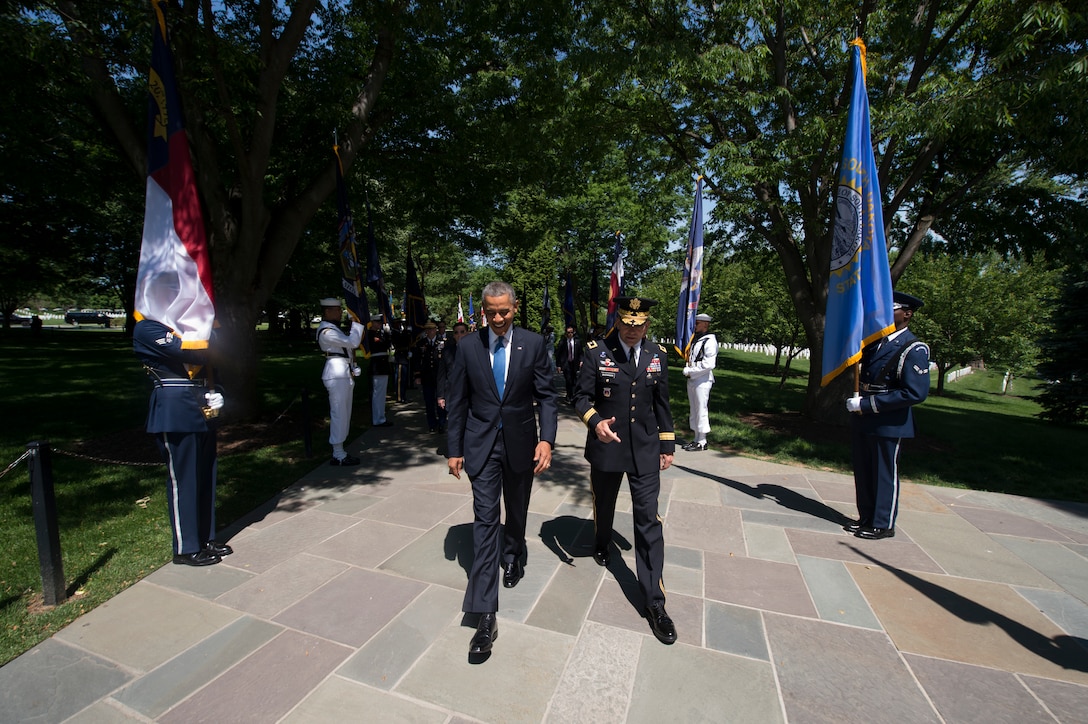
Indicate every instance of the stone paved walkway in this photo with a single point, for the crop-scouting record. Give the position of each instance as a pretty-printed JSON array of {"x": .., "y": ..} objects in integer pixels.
[{"x": 342, "y": 603}]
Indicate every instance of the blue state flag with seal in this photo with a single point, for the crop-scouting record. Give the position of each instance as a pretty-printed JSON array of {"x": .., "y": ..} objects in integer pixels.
[{"x": 859, "y": 288}]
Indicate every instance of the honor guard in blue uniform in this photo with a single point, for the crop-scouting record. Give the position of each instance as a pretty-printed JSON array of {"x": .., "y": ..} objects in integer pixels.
[
  {"x": 894, "y": 377},
  {"x": 181, "y": 415},
  {"x": 338, "y": 375},
  {"x": 623, "y": 398}
]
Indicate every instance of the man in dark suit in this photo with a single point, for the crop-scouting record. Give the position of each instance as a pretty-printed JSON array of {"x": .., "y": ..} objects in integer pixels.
[
  {"x": 894, "y": 377},
  {"x": 181, "y": 415},
  {"x": 497, "y": 375},
  {"x": 568, "y": 358},
  {"x": 623, "y": 398},
  {"x": 445, "y": 367}
]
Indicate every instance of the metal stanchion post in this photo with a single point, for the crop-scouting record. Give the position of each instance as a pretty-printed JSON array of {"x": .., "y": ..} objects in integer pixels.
[{"x": 44, "y": 502}]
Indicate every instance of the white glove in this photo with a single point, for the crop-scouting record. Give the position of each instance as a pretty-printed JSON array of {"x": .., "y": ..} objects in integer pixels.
[
  {"x": 853, "y": 404},
  {"x": 214, "y": 400}
]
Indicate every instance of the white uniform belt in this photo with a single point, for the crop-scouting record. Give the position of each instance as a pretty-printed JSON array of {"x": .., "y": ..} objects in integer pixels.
[
  {"x": 335, "y": 354},
  {"x": 178, "y": 382}
]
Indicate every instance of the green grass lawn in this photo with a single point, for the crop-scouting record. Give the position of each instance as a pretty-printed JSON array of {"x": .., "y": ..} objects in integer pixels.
[{"x": 72, "y": 386}]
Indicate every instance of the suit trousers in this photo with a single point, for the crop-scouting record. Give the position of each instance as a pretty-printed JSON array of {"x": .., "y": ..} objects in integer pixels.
[
  {"x": 649, "y": 538},
  {"x": 495, "y": 484},
  {"x": 191, "y": 462},
  {"x": 876, "y": 477},
  {"x": 340, "y": 396}
]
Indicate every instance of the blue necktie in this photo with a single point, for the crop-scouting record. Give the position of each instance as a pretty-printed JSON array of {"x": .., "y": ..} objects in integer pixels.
[{"x": 498, "y": 366}]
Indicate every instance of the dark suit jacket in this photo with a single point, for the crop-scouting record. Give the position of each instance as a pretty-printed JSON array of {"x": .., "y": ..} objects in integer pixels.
[
  {"x": 563, "y": 359},
  {"x": 900, "y": 381},
  {"x": 637, "y": 398},
  {"x": 476, "y": 414}
]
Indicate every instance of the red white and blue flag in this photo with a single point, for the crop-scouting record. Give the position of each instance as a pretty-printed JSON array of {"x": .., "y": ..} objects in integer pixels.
[
  {"x": 615, "y": 283},
  {"x": 174, "y": 278},
  {"x": 859, "y": 289},
  {"x": 692, "y": 284}
]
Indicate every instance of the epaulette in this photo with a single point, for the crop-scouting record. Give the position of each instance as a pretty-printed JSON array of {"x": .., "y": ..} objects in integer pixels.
[{"x": 591, "y": 344}]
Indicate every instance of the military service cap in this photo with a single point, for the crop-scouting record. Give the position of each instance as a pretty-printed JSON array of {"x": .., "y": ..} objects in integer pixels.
[
  {"x": 909, "y": 301},
  {"x": 634, "y": 311}
]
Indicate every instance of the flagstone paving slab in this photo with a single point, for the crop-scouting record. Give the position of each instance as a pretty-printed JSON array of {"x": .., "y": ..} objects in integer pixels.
[
  {"x": 1056, "y": 562},
  {"x": 440, "y": 556},
  {"x": 54, "y": 680},
  {"x": 266, "y": 684},
  {"x": 967, "y": 694},
  {"x": 757, "y": 584},
  {"x": 349, "y": 504},
  {"x": 768, "y": 542},
  {"x": 898, "y": 552},
  {"x": 1067, "y": 702},
  {"x": 390, "y": 653},
  {"x": 826, "y": 670},
  {"x": 835, "y": 594},
  {"x": 735, "y": 630},
  {"x": 366, "y": 544},
  {"x": 970, "y": 621},
  {"x": 106, "y": 711},
  {"x": 694, "y": 489},
  {"x": 835, "y": 491},
  {"x": 158, "y": 624},
  {"x": 1000, "y": 522},
  {"x": 562, "y": 605},
  {"x": 711, "y": 528},
  {"x": 338, "y": 700},
  {"x": 207, "y": 582},
  {"x": 1068, "y": 612},
  {"x": 351, "y": 607},
  {"x": 268, "y": 593},
  {"x": 596, "y": 683},
  {"x": 153, "y": 694},
  {"x": 414, "y": 508},
  {"x": 684, "y": 684},
  {"x": 920, "y": 498},
  {"x": 514, "y": 684},
  {"x": 830, "y": 522},
  {"x": 960, "y": 549},
  {"x": 290, "y": 536}
]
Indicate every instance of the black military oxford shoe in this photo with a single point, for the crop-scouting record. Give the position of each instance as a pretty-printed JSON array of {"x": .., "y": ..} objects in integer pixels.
[
  {"x": 602, "y": 557},
  {"x": 694, "y": 446},
  {"x": 487, "y": 630},
  {"x": 218, "y": 549},
  {"x": 349, "y": 460},
  {"x": 200, "y": 558},
  {"x": 662, "y": 625},
  {"x": 512, "y": 573},
  {"x": 855, "y": 525},
  {"x": 870, "y": 533}
]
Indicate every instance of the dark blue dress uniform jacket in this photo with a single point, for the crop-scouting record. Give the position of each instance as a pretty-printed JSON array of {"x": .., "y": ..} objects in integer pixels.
[
  {"x": 172, "y": 408},
  {"x": 890, "y": 387},
  {"x": 637, "y": 398}
]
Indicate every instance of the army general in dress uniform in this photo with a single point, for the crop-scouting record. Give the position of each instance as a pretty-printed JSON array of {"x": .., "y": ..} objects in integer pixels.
[{"x": 623, "y": 397}]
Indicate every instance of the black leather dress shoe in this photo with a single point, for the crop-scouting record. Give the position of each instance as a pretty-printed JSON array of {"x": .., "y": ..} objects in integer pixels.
[
  {"x": 602, "y": 557},
  {"x": 200, "y": 558},
  {"x": 694, "y": 446},
  {"x": 218, "y": 549},
  {"x": 870, "y": 533},
  {"x": 387, "y": 423},
  {"x": 512, "y": 573},
  {"x": 662, "y": 625},
  {"x": 349, "y": 460},
  {"x": 486, "y": 633},
  {"x": 855, "y": 525}
]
